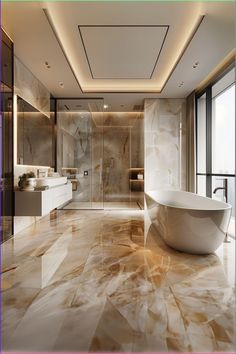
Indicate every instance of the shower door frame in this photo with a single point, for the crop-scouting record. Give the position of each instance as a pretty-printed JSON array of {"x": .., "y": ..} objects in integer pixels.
[{"x": 56, "y": 162}]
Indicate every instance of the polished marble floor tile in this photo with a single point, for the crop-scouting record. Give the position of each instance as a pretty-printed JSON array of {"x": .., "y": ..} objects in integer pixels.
[
  {"x": 103, "y": 205},
  {"x": 105, "y": 281}
]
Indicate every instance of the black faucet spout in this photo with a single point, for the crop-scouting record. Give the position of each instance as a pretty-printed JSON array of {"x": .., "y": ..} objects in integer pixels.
[
  {"x": 218, "y": 188},
  {"x": 224, "y": 188}
]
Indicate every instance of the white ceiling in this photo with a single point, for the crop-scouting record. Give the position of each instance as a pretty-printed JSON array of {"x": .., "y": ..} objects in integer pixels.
[
  {"x": 122, "y": 52},
  {"x": 115, "y": 51}
]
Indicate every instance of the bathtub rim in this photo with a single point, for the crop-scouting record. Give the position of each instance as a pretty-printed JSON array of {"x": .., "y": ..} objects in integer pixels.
[{"x": 227, "y": 205}]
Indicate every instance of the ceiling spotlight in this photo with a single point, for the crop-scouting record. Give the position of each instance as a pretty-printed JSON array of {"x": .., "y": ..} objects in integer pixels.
[
  {"x": 105, "y": 106},
  {"x": 181, "y": 84},
  {"x": 195, "y": 65},
  {"x": 47, "y": 64},
  {"x": 61, "y": 84}
]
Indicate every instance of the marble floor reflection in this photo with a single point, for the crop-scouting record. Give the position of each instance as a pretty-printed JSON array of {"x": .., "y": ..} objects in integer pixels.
[
  {"x": 103, "y": 205},
  {"x": 94, "y": 281}
]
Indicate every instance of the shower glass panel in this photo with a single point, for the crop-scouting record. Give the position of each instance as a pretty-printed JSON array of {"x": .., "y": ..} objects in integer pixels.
[
  {"x": 101, "y": 153},
  {"x": 80, "y": 150},
  {"x": 123, "y": 163}
]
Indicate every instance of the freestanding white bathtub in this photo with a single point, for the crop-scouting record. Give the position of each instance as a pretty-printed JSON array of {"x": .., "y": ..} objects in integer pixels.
[{"x": 187, "y": 221}]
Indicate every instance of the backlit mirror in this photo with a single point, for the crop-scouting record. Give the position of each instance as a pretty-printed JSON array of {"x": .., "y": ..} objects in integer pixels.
[{"x": 35, "y": 136}]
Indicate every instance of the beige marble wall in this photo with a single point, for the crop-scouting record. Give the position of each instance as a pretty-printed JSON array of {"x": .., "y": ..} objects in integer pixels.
[
  {"x": 123, "y": 143},
  {"x": 27, "y": 86},
  {"x": 165, "y": 144},
  {"x": 105, "y": 145},
  {"x": 137, "y": 142},
  {"x": 74, "y": 144},
  {"x": 116, "y": 164},
  {"x": 35, "y": 139}
]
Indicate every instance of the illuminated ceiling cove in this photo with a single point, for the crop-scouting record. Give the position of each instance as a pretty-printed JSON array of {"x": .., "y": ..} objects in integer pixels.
[
  {"x": 139, "y": 49},
  {"x": 121, "y": 56}
]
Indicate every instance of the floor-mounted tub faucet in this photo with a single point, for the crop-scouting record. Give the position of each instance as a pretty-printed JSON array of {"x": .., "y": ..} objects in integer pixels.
[{"x": 225, "y": 189}]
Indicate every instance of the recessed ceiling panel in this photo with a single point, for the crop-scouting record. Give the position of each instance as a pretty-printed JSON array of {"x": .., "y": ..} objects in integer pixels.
[
  {"x": 122, "y": 52},
  {"x": 121, "y": 58}
]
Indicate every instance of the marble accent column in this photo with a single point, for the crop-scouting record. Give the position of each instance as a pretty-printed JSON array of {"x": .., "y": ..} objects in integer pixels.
[{"x": 165, "y": 144}]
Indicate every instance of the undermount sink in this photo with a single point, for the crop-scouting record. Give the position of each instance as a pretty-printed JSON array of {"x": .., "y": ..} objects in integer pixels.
[{"x": 50, "y": 181}]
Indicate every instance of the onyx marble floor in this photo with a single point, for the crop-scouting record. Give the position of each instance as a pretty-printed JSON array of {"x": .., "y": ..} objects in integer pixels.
[{"x": 83, "y": 281}]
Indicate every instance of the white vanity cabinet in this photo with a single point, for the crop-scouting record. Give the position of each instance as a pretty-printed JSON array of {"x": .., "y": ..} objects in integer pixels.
[{"x": 40, "y": 203}]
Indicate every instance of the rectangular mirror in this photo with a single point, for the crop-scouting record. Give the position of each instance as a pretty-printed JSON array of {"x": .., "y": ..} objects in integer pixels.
[{"x": 35, "y": 136}]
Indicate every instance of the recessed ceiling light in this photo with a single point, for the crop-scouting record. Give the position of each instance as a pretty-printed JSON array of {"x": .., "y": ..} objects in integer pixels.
[
  {"x": 47, "y": 65},
  {"x": 105, "y": 106},
  {"x": 61, "y": 84},
  {"x": 195, "y": 65}
]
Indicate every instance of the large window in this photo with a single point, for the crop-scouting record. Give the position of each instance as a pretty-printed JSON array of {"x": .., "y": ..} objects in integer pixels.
[
  {"x": 216, "y": 142},
  {"x": 223, "y": 132}
]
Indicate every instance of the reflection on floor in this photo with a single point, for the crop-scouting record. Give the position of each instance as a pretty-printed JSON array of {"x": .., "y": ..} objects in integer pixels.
[
  {"x": 231, "y": 229},
  {"x": 83, "y": 281},
  {"x": 104, "y": 205}
]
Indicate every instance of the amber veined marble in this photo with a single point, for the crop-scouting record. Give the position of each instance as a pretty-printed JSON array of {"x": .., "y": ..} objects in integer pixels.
[{"x": 105, "y": 281}]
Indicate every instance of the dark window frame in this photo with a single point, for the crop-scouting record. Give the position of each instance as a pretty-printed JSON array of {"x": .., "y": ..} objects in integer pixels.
[{"x": 208, "y": 92}]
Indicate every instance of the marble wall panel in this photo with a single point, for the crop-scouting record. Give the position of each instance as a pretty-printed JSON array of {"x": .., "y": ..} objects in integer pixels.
[
  {"x": 137, "y": 142},
  {"x": 83, "y": 159},
  {"x": 35, "y": 139},
  {"x": 69, "y": 149},
  {"x": 97, "y": 148},
  {"x": 74, "y": 136},
  {"x": 116, "y": 164},
  {"x": 165, "y": 144},
  {"x": 106, "y": 149},
  {"x": 27, "y": 86}
]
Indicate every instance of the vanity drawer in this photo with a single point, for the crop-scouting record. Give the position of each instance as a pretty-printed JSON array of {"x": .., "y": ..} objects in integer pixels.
[{"x": 40, "y": 203}]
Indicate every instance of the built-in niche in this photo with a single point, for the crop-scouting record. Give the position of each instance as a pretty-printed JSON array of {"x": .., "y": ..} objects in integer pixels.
[{"x": 35, "y": 136}]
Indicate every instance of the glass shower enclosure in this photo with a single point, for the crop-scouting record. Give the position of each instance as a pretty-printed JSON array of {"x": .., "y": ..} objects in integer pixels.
[
  {"x": 80, "y": 150},
  {"x": 101, "y": 154}
]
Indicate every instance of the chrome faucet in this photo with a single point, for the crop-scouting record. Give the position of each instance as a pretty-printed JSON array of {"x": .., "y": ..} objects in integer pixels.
[{"x": 225, "y": 188}]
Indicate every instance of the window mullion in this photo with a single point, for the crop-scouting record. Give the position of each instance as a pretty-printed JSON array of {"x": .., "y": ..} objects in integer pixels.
[{"x": 209, "y": 142}]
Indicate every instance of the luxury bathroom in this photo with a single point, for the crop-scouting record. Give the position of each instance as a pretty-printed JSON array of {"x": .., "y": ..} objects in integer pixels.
[{"x": 117, "y": 176}]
